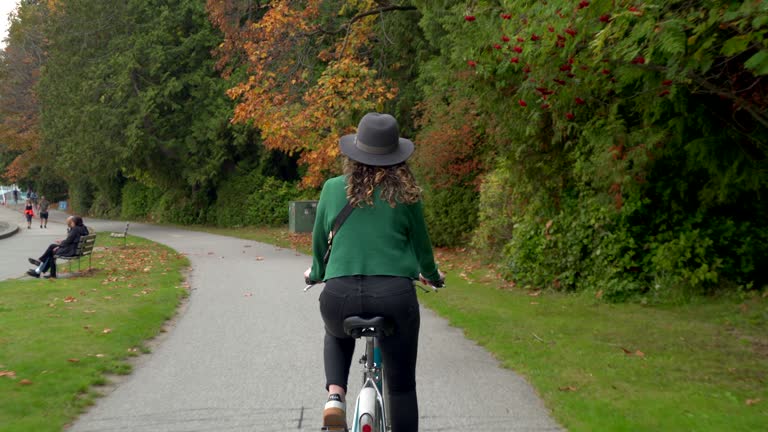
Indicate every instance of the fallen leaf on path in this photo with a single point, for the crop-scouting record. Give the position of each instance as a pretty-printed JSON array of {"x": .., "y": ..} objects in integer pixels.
[
  {"x": 248, "y": 295},
  {"x": 25, "y": 382},
  {"x": 567, "y": 388},
  {"x": 259, "y": 258},
  {"x": 751, "y": 402},
  {"x": 247, "y": 245}
]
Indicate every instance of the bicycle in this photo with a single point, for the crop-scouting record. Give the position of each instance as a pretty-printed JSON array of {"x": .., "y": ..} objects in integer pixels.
[{"x": 371, "y": 406}]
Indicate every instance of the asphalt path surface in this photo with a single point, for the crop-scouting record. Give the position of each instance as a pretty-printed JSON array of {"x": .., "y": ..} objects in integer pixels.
[{"x": 245, "y": 353}]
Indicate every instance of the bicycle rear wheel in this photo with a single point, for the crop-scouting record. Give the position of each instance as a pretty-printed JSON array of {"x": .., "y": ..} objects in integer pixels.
[{"x": 366, "y": 413}]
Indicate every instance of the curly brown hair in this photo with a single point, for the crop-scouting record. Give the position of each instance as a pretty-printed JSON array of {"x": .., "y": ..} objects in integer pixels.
[{"x": 397, "y": 183}]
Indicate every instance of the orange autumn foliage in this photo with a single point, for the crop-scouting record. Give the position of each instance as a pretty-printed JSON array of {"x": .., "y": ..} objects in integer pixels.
[{"x": 305, "y": 86}]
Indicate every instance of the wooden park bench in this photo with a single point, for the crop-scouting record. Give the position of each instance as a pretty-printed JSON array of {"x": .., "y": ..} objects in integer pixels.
[
  {"x": 84, "y": 248},
  {"x": 123, "y": 235}
]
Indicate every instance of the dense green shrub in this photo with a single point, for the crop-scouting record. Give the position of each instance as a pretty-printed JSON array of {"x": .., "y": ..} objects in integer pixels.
[
  {"x": 451, "y": 214},
  {"x": 81, "y": 195},
  {"x": 269, "y": 204},
  {"x": 138, "y": 200},
  {"x": 249, "y": 198},
  {"x": 180, "y": 208},
  {"x": 626, "y": 162}
]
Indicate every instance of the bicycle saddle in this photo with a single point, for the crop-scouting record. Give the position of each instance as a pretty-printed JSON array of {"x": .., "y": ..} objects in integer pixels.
[{"x": 358, "y": 327}]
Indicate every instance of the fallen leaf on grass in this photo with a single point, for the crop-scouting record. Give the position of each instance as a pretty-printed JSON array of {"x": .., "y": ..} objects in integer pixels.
[
  {"x": 751, "y": 402},
  {"x": 534, "y": 303},
  {"x": 69, "y": 299},
  {"x": 8, "y": 373},
  {"x": 25, "y": 382},
  {"x": 535, "y": 293},
  {"x": 99, "y": 355},
  {"x": 637, "y": 353},
  {"x": 599, "y": 294},
  {"x": 106, "y": 331},
  {"x": 568, "y": 389},
  {"x": 73, "y": 360}
]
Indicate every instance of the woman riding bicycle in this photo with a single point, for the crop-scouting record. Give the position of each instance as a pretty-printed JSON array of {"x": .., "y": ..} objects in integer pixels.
[{"x": 379, "y": 250}]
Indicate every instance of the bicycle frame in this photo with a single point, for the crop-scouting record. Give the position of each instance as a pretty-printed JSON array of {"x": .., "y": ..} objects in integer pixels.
[{"x": 370, "y": 408}]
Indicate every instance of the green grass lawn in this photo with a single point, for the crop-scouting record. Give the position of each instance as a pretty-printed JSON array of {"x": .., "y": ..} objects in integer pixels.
[
  {"x": 625, "y": 367},
  {"x": 702, "y": 366},
  {"x": 61, "y": 338}
]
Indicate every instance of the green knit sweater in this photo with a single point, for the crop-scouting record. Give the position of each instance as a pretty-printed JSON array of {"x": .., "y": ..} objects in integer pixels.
[{"x": 375, "y": 240}]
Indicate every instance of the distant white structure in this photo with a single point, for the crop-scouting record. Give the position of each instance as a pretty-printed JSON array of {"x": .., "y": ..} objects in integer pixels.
[{"x": 6, "y": 194}]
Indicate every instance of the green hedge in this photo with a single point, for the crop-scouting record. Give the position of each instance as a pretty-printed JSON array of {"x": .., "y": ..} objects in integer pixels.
[
  {"x": 138, "y": 200},
  {"x": 249, "y": 198},
  {"x": 451, "y": 214}
]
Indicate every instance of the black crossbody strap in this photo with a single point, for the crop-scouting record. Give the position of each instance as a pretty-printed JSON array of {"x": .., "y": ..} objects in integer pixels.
[{"x": 342, "y": 216}]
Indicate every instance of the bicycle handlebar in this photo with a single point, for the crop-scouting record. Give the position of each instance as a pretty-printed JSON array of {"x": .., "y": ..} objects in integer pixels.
[{"x": 416, "y": 283}]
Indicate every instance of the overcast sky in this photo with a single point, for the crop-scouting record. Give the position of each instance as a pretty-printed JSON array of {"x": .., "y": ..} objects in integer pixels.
[{"x": 6, "y": 6}]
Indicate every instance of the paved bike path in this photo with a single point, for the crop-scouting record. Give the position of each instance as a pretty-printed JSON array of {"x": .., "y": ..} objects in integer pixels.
[{"x": 246, "y": 354}]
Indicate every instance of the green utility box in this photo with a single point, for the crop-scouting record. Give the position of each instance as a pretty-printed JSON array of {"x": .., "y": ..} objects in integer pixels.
[{"x": 301, "y": 216}]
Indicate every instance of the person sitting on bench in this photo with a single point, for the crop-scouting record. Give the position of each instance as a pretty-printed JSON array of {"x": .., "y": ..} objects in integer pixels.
[{"x": 64, "y": 248}]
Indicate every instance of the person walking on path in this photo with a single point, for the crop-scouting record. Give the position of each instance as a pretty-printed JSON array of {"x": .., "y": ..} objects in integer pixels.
[
  {"x": 15, "y": 196},
  {"x": 64, "y": 248},
  {"x": 29, "y": 212},
  {"x": 380, "y": 249},
  {"x": 43, "y": 209}
]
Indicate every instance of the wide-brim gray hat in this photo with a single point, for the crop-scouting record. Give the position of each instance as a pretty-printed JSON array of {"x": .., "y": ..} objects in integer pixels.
[{"x": 377, "y": 142}]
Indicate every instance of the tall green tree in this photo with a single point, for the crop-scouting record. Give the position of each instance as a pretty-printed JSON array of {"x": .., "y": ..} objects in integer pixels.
[{"x": 20, "y": 64}]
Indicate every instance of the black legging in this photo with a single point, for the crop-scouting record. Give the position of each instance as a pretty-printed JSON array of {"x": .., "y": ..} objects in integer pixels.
[{"x": 390, "y": 297}]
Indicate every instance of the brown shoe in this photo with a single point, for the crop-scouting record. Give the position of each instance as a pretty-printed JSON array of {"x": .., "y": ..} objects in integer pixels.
[{"x": 335, "y": 414}]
